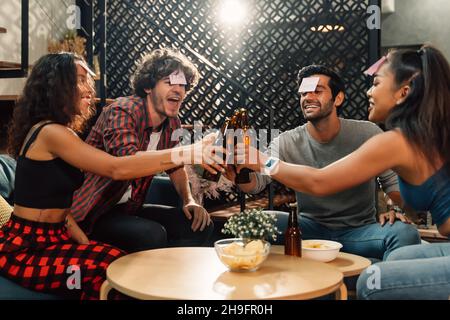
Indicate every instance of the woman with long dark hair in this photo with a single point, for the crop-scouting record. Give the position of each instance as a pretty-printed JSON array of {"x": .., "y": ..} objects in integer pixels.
[
  {"x": 411, "y": 93},
  {"x": 41, "y": 246}
]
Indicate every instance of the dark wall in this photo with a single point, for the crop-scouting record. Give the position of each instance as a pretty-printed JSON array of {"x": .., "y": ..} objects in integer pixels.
[
  {"x": 401, "y": 28},
  {"x": 263, "y": 55}
]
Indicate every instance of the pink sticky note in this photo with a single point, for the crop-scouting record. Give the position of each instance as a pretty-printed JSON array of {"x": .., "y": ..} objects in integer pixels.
[
  {"x": 309, "y": 84},
  {"x": 85, "y": 67},
  {"x": 375, "y": 67},
  {"x": 177, "y": 77}
]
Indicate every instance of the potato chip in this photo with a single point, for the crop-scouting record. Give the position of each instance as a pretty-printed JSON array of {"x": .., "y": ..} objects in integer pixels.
[
  {"x": 255, "y": 246},
  {"x": 237, "y": 256},
  {"x": 232, "y": 248}
]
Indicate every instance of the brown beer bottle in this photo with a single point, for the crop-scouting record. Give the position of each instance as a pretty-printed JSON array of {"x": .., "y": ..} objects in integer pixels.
[
  {"x": 220, "y": 139},
  {"x": 232, "y": 139},
  {"x": 244, "y": 175},
  {"x": 235, "y": 120},
  {"x": 293, "y": 235}
]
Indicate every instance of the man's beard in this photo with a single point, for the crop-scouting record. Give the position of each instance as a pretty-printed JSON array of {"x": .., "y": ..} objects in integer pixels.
[
  {"x": 324, "y": 112},
  {"x": 158, "y": 104}
]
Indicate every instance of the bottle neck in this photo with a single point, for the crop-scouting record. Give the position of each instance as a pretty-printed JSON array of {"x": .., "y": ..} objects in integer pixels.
[
  {"x": 225, "y": 126},
  {"x": 293, "y": 218}
]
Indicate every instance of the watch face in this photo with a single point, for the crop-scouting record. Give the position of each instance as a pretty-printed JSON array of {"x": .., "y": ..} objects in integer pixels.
[
  {"x": 270, "y": 165},
  {"x": 270, "y": 162}
]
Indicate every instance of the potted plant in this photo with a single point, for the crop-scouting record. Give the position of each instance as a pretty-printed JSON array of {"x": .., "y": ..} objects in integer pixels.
[{"x": 252, "y": 224}]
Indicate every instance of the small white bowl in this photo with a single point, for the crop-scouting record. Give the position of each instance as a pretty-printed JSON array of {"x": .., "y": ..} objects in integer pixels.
[{"x": 320, "y": 250}]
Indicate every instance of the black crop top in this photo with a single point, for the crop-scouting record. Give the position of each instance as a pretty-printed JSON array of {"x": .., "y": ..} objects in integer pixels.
[{"x": 45, "y": 184}]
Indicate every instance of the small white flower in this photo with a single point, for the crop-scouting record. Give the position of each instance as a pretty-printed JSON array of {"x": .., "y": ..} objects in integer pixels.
[{"x": 252, "y": 223}]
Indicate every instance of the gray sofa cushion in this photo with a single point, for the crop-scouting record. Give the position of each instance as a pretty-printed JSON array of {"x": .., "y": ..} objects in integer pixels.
[{"x": 12, "y": 291}]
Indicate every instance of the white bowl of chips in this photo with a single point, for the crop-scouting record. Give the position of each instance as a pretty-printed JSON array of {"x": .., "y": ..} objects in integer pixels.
[
  {"x": 242, "y": 255},
  {"x": 320, "y": 250}
]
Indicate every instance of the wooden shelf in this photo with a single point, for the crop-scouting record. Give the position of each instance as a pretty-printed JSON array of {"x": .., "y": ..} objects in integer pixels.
[
  {"x": 14, "y": 98},
  {"x": 8, "y": 97},
  {"x": 5, "y": 65},
  {"x": 222, "y": 213},
  {"x": 108, "y": 101}
]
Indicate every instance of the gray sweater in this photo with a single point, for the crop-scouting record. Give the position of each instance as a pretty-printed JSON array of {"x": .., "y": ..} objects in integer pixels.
[{"x": 350, "y": 208}]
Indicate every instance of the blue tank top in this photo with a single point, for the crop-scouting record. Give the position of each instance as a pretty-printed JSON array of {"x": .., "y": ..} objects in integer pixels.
[{"x": 433, "y": 195}]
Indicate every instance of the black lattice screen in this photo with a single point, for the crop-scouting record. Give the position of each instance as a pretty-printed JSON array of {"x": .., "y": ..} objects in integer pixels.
[{"x": 263, "y": 55}]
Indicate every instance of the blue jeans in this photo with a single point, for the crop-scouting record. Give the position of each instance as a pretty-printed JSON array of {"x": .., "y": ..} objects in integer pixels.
[
  {"x": 372, "y": 241},
  {"x": 413, "y": 272}
]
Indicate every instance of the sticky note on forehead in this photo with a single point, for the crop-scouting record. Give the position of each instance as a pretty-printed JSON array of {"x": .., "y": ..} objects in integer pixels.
[
  {"x": 375, "y": 67},
  {"x": 309, "y": 84},
  {"x": 85, "y": 67},
  {"x": 177, "y": 77}
]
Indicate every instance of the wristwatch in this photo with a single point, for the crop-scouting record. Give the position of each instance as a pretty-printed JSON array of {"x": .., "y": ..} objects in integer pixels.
[{"x": 270, "y": 165}]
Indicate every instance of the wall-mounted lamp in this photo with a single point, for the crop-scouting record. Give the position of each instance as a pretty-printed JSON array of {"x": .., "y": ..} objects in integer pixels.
[
  {"x": 326, "y": 21},
  {"x": 232, "y": 12}
]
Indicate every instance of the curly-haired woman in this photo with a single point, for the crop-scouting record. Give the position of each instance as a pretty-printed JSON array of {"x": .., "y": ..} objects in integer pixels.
[{"x": 41, "y": 245}]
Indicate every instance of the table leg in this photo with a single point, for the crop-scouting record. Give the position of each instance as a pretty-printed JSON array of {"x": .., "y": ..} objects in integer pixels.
[
  {"x": 104, "y": 290},
  {"x": 341, "y": 293}
]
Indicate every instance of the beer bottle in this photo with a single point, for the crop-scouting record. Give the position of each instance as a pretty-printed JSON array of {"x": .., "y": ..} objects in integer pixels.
[
  {"x": 235, "y": 120},
  {"x": 232, "y": 139},
  {"x": 293, "y": 235},
  {"x": 244, "y": 175},
  {"x": 220, "y": 139}
]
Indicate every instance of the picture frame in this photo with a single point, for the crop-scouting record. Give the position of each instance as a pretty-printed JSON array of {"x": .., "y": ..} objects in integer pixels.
[{"x": 13, "y": 69}]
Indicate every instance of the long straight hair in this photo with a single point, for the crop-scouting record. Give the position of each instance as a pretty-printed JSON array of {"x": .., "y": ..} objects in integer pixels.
[{"x": 424, "y": 116}]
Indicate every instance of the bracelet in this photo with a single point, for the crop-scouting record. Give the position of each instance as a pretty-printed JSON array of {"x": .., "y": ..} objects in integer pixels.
[{"x": 396, "y": 209}]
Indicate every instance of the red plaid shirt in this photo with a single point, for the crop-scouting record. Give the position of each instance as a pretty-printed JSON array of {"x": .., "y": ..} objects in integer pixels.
[{"x": 123, "y": 128}]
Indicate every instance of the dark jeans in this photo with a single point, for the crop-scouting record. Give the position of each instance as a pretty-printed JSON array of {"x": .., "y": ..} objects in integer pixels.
[{"x": 153, "y": 226}]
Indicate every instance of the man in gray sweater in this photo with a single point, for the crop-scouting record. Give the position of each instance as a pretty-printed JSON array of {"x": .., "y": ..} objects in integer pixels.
[{"x": 348, "y": 217}]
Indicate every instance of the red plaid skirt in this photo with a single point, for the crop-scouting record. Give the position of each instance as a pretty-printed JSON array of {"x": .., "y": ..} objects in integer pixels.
[{"x": 42, "y": 257}]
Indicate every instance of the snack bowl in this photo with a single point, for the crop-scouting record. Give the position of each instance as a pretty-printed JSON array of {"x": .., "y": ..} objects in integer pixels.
[
  {"x": 242, "y": 255},
  {"x": 320, "y": 250}
]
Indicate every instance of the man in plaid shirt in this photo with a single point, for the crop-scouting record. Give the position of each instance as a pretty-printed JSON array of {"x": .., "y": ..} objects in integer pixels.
[{"x": 112, "y": 211}]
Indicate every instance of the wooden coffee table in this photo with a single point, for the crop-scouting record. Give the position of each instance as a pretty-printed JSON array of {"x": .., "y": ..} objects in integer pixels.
[
  {"x": 198, "y": 274},
  {"x": 349, "y": 264}
]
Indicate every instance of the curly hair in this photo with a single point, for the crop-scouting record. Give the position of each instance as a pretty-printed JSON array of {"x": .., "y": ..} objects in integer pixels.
[
  {"x": 159, "y": 64},
  {"x": 50, "y": 93}
]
